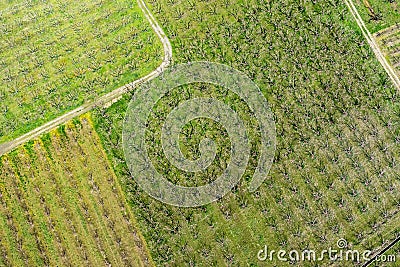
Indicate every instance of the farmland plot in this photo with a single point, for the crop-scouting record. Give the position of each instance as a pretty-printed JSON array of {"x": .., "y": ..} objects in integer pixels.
[
  {"x": 335, "y": 173},
  {"x": 378, "y": 14},
  {"x": 389, "y": 41},
  {"x": 56, "y": 55},
  {"x": 60, "y": 205}
]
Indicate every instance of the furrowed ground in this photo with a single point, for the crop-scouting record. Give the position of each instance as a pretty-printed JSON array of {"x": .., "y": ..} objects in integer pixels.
[
  {"x": 60, "y": 205},
  {"x": 336, "y": 168},
  {"x": 57, "y": 55},
  {"x": 389, "y": 41}
]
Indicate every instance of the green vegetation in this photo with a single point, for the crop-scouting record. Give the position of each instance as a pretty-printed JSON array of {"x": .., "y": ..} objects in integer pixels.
[
  {"x": 379, "y": 14},
  {"x": 61, "y": 205},
  {"x": 389, "y": 257},
  {"x": 56, "y": 55},
  {"x": 387, "y": 238},
  {"x": 389, "y": 41},
  {"x": 336, "y": 166}
]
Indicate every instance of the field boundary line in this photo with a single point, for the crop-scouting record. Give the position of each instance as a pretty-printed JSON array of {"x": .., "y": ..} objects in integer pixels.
[
  {"x": 375, "y": 47},
  {"x": 108, "y": 98},
  {"x": 385, "y": 31},
  {"x": 381, "y": 252}
]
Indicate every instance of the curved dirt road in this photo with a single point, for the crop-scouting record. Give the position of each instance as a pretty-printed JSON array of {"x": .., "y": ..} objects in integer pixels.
[{"x": 102, "y": 100}]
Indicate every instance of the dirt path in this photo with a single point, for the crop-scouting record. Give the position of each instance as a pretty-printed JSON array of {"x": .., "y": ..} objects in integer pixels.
[
  {"x": 371, "y": 41},
  {"x": 102, "y": 100}
]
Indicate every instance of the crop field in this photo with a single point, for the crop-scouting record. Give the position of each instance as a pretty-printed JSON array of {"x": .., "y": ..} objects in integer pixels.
[
  {"x": 56, "y": 55},
  {"x": 389, "y": 40},
  {"x": 61, "y": 205},
  {"x": 336, "y": 168}
]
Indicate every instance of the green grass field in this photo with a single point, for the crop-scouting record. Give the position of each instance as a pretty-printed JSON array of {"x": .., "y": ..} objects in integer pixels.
[
  {"x": 383, "y": 14},
  {"x": 61, "y": 205},
  {"x": 336, "y": 172},
  {"x": 56, "y": 55}
]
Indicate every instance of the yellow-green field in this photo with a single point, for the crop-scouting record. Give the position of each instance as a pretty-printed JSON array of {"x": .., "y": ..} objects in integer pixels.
[
  {"x": 56, "y": 55},
  {"x": 60, "y": 205},
  {"x": 389, "y": 41}
]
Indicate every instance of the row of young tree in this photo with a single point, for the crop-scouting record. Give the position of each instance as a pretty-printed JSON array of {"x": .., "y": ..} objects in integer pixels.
[
  {"x": 54, "y": 61},
  {"x": 60, "y": 204},
  {"x": 335, "y": 111}
]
